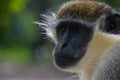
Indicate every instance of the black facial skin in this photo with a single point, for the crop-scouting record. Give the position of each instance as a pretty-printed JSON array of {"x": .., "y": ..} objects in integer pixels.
[
  {"x": 73, "y": 38},
  {"x": 112, "y": 24}
]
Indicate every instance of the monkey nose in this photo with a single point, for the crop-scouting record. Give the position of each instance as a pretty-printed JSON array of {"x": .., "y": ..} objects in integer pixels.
[{"x": 63, "y": 45}]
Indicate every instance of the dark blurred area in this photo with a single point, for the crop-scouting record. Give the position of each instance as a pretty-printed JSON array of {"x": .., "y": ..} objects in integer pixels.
[{"x": 24, "y": 51}]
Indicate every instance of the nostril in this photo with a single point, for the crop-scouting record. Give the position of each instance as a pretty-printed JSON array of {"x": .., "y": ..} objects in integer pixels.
[{"x": 64, "y": 45}]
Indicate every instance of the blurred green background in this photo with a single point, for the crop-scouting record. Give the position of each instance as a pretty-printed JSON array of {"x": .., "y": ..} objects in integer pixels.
[
  {"x": 20, "y": 38},
  {"x": 26, "y": 54}
]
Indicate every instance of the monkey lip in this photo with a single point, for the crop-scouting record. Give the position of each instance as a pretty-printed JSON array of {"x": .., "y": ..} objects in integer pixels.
[
  {"x": 65, "y": 62},
  {"x": 66, "y": 59}
]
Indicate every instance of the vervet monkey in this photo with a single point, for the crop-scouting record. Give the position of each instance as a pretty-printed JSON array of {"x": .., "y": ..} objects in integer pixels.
[{"x": 86, "y": 39}]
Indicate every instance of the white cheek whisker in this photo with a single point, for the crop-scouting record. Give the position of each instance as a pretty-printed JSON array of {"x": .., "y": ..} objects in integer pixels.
[{"x": 47, "y": 24}]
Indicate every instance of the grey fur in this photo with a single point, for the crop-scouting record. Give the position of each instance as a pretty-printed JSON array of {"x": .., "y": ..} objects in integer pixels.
[{"x": 109, "y": 66}]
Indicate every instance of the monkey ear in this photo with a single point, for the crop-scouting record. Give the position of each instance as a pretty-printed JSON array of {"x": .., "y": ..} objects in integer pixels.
[{"x": 112, "y": 23}]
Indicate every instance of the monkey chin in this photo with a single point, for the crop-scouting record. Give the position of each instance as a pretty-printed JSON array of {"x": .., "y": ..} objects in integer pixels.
[{"x": 68, "y": 67}]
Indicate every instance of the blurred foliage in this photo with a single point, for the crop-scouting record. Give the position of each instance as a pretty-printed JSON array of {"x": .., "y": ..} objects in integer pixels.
[
  {"x": 16, "y": 29},
  {"x": 19, "y": 38},
  {"x": 114, "y": 3}
]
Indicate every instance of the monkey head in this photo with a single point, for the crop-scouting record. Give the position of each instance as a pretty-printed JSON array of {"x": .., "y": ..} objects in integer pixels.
[{"x": 73, "y": 28}]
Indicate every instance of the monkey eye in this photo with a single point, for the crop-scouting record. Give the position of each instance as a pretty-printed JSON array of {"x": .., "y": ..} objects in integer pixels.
[
  {"x": 78, "y": 30},
  {"x": 63, "y": 29}
]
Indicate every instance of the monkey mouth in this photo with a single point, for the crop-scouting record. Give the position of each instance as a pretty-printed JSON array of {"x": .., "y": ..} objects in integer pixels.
[
  {"x": 64, "y": 62},
  {"x": 69, "y": 58}
]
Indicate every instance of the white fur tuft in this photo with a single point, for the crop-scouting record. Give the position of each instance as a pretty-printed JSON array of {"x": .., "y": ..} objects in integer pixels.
[{"x": 48, "y": 24}]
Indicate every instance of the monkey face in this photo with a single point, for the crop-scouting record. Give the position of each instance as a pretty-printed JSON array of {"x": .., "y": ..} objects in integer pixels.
[{"x": 73, "y": 38}]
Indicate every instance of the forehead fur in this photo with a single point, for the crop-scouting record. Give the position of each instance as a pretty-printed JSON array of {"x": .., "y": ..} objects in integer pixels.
[{"x": 87, "y": 10}]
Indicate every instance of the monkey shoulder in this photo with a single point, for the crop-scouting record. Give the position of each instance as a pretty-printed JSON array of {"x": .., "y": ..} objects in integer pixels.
[{"x": 109, "y": 66}]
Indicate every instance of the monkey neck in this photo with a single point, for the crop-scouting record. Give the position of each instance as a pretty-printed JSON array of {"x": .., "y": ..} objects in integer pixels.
[{"x": 100, "y": 45}]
